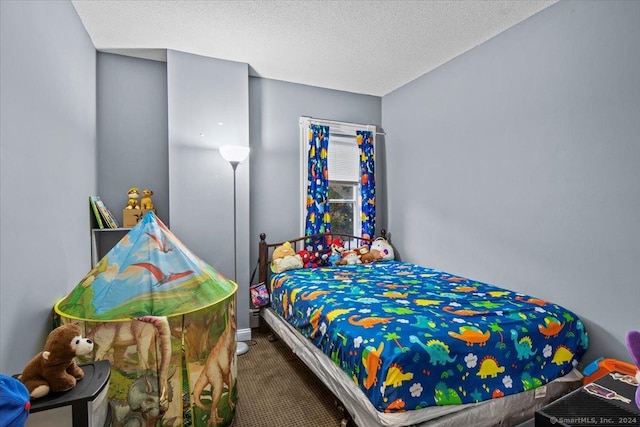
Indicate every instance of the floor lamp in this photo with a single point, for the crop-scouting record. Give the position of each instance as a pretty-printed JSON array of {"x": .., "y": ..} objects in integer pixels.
[{"x": 235, "y": 154}]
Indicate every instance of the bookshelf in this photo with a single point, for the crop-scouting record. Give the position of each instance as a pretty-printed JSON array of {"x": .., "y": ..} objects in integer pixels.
[{"x": 102, "y": 238}]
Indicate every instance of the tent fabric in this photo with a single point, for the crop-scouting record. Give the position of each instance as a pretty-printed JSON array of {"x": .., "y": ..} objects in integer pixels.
[{"x": 149, "y": 272}]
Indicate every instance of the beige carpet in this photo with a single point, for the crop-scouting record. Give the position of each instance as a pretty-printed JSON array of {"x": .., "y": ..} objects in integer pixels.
[{"x": 276, "y": 389}]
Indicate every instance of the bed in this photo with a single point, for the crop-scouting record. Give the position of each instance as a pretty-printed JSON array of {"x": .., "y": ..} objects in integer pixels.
[{"x": 400, "y": 344}]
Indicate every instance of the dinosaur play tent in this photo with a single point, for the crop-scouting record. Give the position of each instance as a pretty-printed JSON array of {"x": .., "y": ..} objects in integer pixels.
[{"x": 165, "y": 319}]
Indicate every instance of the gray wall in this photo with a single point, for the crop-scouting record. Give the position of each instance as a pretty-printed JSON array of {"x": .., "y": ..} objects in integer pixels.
[
  {"x": 132, "y": 135},
  {"x": 275, "y": 109},
  {"x": 48, "y": 168},
  {"x": 132, "y": 131},
  {"x": 517, "y": 164},
  {"x": 203, "y": 92}
]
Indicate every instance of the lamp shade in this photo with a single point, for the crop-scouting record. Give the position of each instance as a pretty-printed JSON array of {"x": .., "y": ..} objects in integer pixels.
[{"x": 234, "y": 153}]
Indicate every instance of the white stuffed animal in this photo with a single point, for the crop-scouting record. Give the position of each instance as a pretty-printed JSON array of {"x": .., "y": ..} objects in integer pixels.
[{"x": 384, "y": 247}]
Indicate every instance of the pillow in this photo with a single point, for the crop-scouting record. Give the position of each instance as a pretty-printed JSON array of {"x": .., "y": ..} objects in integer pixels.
[
  {"x": 284, "y": 258},
  {"x": 289, "y": 262},
  {"x": 384, "y": 247}
]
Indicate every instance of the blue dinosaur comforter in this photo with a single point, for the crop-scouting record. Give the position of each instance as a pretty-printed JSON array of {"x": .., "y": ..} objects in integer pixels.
[{"x": 412, "y": 337}]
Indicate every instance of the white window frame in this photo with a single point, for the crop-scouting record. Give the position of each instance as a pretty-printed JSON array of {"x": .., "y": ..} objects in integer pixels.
[{"x": 341, "y": 131}]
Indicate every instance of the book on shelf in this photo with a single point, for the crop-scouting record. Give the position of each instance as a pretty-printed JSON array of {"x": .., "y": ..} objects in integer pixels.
[
  {"x": 106, "y": 213},
  {"x": 96, "y": 212},
  {"x": 108, "y": 218}
]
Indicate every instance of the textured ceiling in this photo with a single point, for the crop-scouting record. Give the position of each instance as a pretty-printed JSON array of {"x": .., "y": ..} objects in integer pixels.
[{"x": 368, "y": 47}]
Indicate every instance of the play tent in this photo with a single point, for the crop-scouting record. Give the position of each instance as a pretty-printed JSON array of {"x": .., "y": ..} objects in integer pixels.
[{"x": 165, "y": 320}]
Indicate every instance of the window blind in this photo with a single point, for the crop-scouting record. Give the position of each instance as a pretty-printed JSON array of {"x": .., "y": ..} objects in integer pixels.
[{"x": 343, "y": 159}]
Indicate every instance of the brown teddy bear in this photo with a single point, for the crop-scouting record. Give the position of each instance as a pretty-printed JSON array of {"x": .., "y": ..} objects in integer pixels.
[
  {"x": 368, "y": 256},
  {"x": 55, "y": 369}
]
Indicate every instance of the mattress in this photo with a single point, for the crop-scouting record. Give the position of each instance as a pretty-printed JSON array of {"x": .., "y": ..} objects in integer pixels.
[{"x": 509, "y": 411}]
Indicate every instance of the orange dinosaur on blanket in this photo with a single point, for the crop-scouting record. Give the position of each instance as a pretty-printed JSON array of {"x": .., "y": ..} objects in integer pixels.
[
  {"x": 471, "y": 335},
  {"x": 551, "y": 328},
  {"x": 280, "y": 281},
  {"x": 535, "y": 301},
  {"x": 371, "y": 361},
  {"x": 315, "y": 321},
  {"x": 465, "y": 289},
  {"x": 397, "y": 404},
  {"x": 309, "y": 296},
  {"x": 369, "y": 322},
  {"x": 463, "y": 312}
]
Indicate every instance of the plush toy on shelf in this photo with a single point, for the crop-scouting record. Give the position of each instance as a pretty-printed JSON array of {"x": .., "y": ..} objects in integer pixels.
[
  {"x": 146, "y": 202},
  {"x": 55, "y": 368},
  {"x": 134, "y": 194},
  {"x": 633, "y": 343}
]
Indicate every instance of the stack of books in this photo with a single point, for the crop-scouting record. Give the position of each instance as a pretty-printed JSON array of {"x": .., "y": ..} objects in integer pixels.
[{"x": 104, "y": 217}]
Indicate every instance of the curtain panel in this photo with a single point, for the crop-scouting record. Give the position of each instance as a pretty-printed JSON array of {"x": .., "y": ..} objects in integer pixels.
[
  {"x": 318, "y": 216},
  {"x": 367, "y": 183}
]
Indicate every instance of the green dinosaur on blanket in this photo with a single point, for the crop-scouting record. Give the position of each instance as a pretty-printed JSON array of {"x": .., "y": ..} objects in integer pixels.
[
  {"x": 523, "y": 346},
  {"x": 438, "y": 351},
  {"x": 445, "y": 395}
]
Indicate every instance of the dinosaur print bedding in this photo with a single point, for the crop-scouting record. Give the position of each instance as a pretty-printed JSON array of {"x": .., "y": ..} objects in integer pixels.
[{"x": 412, "y": 337}]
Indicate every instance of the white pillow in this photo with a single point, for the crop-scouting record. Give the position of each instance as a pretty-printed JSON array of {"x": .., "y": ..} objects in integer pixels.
[{"x": 288, "y": 262}]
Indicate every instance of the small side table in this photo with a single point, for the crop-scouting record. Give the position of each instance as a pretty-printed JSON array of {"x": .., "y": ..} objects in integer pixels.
[
  {"x": 85, "y": 405},
  {"x": 608, "y": 401}
]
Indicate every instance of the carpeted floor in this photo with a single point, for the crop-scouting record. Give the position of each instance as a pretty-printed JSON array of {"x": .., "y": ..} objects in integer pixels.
[{"x": 276, "y": 389}]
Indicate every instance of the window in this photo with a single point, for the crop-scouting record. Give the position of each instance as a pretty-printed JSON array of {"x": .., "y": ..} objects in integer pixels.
[
  {"x": 344, "y": 185},
  {"x": 343, "y": 181}
]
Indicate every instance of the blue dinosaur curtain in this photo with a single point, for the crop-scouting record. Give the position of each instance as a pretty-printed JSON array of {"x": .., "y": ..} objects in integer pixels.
[
  {"x": 318, "y": 217},
  {"x": 367, "y": 182}
]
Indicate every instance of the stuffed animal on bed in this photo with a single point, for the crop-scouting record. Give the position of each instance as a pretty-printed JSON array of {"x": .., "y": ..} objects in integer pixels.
[
  {"x": 55, "y": 369},
  {"x": 350, "y": 258},
  {"x": 308, "y": 259},
  {"x": 384, "y": 247},
  {"x": 367, "y": 256},
  {"x": 633, "y": 343},
  {"x": 285, "y": 258},
  {"x": 322, "y": 257},
  {"x": 337, "y": 247}
]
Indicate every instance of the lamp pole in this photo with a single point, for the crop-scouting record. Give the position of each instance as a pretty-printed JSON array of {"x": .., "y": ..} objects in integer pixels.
[
  {"x": 234, "y": 155},
  {"x": 234, "y": 165},
  {"x": 241, "y": 347}
]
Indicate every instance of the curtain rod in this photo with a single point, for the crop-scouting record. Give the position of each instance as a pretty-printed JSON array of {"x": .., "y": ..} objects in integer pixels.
[{"x": 339, "y": 123}]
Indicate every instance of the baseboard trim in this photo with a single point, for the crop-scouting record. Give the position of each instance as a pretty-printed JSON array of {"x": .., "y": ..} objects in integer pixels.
[{"x": 243, "y": 334}]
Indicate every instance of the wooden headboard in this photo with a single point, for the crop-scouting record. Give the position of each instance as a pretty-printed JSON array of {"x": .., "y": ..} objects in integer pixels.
[{"x": 266, "y": 249}]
